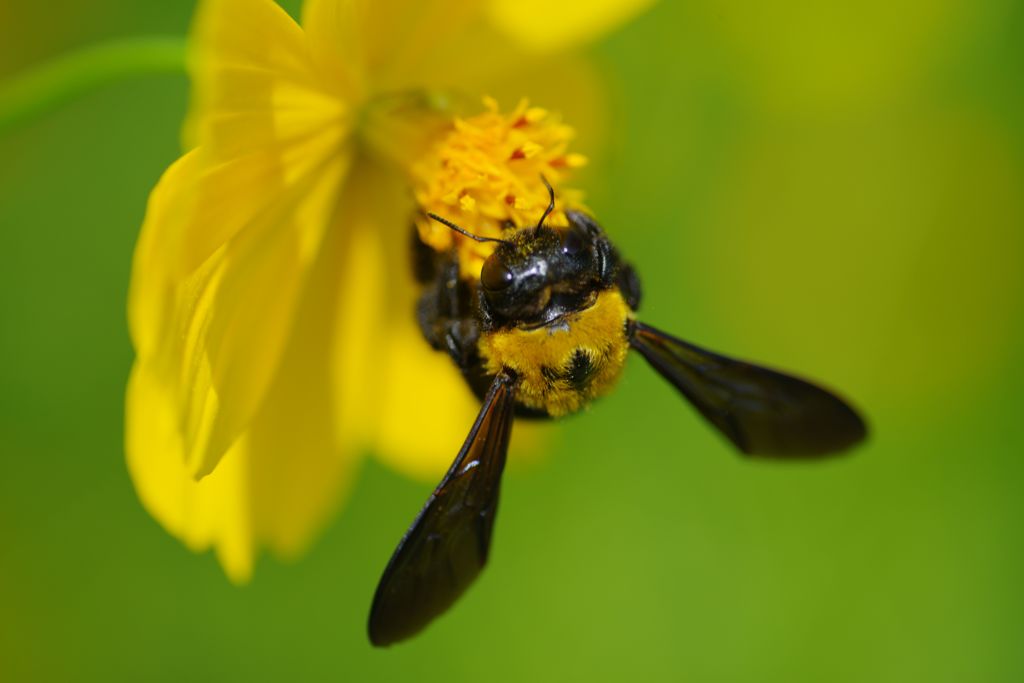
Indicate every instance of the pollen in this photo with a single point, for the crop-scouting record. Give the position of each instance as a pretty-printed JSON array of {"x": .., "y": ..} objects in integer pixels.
[{"x": 485, "y": 173}]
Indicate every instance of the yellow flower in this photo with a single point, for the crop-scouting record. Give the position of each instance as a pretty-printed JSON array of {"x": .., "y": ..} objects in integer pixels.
[{"x": 271, "y": 304}]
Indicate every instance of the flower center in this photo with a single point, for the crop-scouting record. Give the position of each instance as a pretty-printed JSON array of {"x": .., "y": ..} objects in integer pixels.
[{"x": 485, "y": 175}]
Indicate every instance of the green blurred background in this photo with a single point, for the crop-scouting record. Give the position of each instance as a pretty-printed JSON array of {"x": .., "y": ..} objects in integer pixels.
[{"x": 834, "y": 190}]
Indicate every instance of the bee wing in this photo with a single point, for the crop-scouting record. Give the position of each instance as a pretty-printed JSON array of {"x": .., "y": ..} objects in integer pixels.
[
  {"x": 446, "y": 547},
  {"x": 762, "y": 411}
]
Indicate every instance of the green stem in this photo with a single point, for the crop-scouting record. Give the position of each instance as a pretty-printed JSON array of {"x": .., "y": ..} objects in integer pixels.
[{"x": 31, "y": 94}]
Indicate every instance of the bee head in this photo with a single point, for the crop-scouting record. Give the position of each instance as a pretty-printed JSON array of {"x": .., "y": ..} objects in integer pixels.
[{"x": 543, "y": 273}]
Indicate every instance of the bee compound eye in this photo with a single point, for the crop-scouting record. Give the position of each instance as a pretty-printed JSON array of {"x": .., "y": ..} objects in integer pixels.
[
  {"x": 572, "y": 242},
  {"x": 495, "y": 275}
]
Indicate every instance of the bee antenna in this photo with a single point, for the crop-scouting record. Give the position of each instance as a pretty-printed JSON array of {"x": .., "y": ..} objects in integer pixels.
[
  {"x": 551, "y": 203},
  {"x": 478, "y": 238}
]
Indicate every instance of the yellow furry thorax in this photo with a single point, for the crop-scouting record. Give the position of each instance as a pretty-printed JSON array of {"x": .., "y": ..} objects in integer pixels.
[{"x": 551, "y": 377}]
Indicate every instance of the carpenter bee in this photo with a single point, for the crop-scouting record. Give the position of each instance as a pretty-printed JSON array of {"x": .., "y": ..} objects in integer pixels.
[{"x": 544, "y": 330}]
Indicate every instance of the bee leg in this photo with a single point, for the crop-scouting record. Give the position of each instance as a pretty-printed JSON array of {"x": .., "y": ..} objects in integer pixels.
[
  {"x": 446, "y": 318},
  {"x": 424, "y": 260},
  {"x": 453, "y": 292},
  {"x": 461, "y": 337}
]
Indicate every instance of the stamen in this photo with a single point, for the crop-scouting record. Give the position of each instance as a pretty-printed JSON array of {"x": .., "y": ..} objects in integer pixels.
[{"x": 491, "y": 171}]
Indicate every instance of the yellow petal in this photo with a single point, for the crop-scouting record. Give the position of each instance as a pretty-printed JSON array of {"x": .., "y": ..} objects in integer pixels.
[
  {"x": 383, "y": 46},
  {"x": 426, "y": 408},
  {"x": 264, "y": 113},
  {"x": 241, "y": 333},
  {"x": 232, "y": 229},
  {"x": 392, "y": 391},
  {"x": 301, "y": 466},
  {"x": 450, "y": 45},
  {"x": 212, "y": 512},
  {"x": 402, "y": 44},
  {"x": 372, "y": 238},
  {"x": 218, "y": 333},
  {"x": 541, "y": 25},
  {"x": 280, "y": 481},
  {"x": 253, "y": 74},
  {"x": 335, "y": 31},
  {"x": 149, "y": 300},
  {"x": 247, "y": 194}
]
